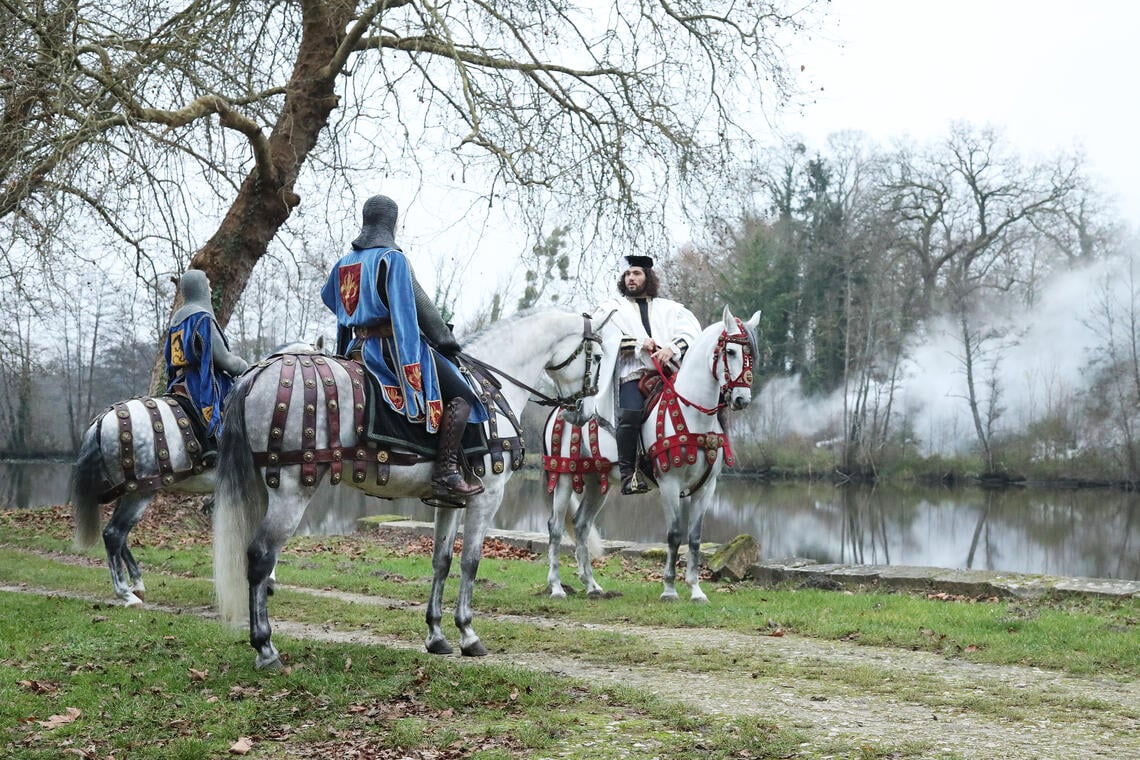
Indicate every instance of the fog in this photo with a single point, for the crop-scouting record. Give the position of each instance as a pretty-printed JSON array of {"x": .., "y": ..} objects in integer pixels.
[{"x": 1042, "y": 363}]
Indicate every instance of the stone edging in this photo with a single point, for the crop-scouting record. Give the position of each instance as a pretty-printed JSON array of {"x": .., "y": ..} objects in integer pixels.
[{"x": 975, "y": 583}]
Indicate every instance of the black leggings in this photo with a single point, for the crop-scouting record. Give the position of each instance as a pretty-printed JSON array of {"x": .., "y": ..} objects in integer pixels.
[{"x": 452, "y": 384}]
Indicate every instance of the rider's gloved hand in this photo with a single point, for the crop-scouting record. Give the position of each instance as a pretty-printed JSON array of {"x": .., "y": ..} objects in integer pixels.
[{"x": 450, "y": 348}]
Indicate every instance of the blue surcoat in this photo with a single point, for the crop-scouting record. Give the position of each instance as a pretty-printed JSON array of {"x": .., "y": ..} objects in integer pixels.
[
  {"x": 352, "y": 293},
  {"x": 190, "y": 361}
]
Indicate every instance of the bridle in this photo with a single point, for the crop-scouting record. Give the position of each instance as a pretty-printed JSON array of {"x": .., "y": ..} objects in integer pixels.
[
  {"x": 720, "y": 357},
  {"x": 744, "y": 379},
  {"x": 589, "y": 345}
]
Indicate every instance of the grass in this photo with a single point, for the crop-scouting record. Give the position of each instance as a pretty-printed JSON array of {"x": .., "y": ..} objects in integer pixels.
[
  {"x": 1077, "y": 635},
  {"x": 109, "y": 681},
  {"x": 160, "y": 684}
]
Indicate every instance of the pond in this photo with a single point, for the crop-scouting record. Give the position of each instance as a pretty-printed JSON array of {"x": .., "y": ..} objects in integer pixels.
[{"x": 1080, "y": 533}]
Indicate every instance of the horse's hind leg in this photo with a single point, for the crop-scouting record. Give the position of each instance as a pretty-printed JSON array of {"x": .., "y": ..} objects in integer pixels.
[
  {"x": 261, "y": 559},
  {"x": 282, "y": 517},
  {"x": 128, "y": 511},
  {"x": 446, "y": 526}
]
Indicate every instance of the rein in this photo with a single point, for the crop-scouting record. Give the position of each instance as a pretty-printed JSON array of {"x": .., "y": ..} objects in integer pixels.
[{"x": 590, "y": 337}]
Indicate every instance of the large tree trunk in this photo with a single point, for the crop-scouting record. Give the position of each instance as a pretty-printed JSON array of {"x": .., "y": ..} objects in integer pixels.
[{"x": 264, "y": 203}]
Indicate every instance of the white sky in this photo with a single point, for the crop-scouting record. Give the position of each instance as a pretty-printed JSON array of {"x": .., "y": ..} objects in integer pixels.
[{"x": 1053, "y": 76}]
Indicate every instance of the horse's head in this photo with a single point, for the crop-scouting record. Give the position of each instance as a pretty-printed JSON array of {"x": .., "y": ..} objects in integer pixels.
[
  {"x": 736, "y": 350},
  {"x": 577, "y": 376},
  {"x": 301, "y": 347}
]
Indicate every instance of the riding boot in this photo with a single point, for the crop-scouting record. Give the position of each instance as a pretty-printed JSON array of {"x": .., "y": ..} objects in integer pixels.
[
  {"x": 447, "y": 481},
  {"x": 209, "y": 451},
  {"x": 628, "y": 435}
]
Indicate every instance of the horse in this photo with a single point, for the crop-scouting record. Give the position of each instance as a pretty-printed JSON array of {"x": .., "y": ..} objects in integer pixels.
[
  {"x": 685, "y": 435},
  {"x": 130, "y": 452},
  {"x": 282, "y": 438}
]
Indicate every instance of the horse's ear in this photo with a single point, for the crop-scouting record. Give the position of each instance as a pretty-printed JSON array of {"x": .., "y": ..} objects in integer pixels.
[
  {"x": 754, "y": 322},
  {"x": 729, "y": 321}
]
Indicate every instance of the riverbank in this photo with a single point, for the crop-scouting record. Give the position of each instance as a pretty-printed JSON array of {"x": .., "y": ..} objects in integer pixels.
[{"x": 829, "y": 576}]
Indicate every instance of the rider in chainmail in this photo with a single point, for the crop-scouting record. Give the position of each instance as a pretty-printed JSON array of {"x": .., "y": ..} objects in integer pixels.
[
  {"x": 386, "y": 319},
  {"x": 199, "y": 363}
]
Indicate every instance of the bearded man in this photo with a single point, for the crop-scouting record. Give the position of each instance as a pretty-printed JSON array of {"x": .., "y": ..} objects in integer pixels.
[{"x": 653, "y": 328}]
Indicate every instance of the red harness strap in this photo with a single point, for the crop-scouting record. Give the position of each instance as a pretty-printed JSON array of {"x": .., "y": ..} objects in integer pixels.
[
  {"x": 579, "y": 462},
  {"x": 684, "y": 445}
]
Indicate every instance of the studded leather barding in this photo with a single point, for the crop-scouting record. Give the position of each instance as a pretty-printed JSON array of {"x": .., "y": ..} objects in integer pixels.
[{"x": 166, "y": 475}]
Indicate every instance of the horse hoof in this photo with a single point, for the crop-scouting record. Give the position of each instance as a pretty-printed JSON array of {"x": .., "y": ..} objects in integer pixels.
[
  {"x": 475, "y": 649},
  {"x": 596, "y": 593},
  {"x": 669, "y": 597},
  {"x": 700, "y": 600},
  {"x": 438, "y": 646},
  {"x": 271, "y": 664},
  {"x": 132, "y": 600}
]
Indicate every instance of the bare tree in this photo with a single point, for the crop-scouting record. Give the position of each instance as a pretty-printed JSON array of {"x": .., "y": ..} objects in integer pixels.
[
  {"x": 973, "y": 203},
  {"x": 140, "y": 115},
  {"x": 1114, "y": 399}
]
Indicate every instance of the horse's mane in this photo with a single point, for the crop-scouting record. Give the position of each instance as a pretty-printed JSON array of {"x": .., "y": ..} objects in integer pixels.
[
  {"x": 753, "y": 340},
  {"x": 499, "y": 324}
]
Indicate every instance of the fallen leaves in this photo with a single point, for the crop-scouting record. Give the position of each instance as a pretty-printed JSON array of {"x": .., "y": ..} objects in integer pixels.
[
  {"x": 242, "y": 746},
  {"x": 67, "y": 716},
  {"x": 39, "y": 687}
]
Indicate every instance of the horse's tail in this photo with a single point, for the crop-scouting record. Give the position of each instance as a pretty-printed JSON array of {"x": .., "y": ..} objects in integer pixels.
[
  {"x": 87, "y": 481},
  {"x": 239, "y": 506}
]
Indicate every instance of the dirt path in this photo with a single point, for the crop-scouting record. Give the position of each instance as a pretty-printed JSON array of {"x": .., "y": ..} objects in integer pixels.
[{"x": 849, "y": 694}]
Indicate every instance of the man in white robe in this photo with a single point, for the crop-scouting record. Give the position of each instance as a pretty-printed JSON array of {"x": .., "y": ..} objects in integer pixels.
[{"x": 652, "y": 328}]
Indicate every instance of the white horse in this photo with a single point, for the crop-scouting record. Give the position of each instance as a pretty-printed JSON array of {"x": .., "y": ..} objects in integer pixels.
[
  {"x": 130, "y": 452},
  {"x": 288, "y": 433},
  {"x": 683, "y": 439}
]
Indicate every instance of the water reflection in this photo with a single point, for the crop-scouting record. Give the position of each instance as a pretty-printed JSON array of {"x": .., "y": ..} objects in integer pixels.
[{"x": 1066, "y": 533}]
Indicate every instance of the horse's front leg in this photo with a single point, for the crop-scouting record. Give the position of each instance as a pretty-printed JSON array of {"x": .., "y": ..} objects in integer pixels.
[
  {"x": 584, "y": 520},
  {"x": 480, "y": 511},
  {"x": 446, "y": 525},
  {"x": 559, "y": 503},
  {"x": 697, "y": 506},
  {"x": 671, "y": 504},
  {"x": 126, "y": 516}
]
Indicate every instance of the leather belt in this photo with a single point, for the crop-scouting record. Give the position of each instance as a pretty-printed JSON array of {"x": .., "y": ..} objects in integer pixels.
[{"x": 379, "y": 330}]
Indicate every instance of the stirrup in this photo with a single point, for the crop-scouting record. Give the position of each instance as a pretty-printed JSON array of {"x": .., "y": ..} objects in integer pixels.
[
  {"x": 442, "y": 502},
  {"x": 634, "y": 485}
]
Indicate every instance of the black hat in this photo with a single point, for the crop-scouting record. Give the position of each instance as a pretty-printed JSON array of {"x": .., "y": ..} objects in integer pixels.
[{"x": 645, "y": 262}]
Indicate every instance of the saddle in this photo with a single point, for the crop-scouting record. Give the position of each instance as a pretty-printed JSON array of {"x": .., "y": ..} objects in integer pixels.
[
  {"x": 385, "y": 428},
  {"x": 651, "y": 386}
]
